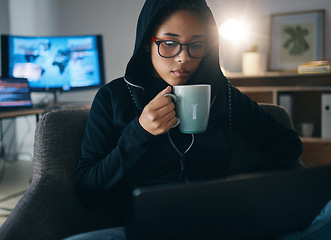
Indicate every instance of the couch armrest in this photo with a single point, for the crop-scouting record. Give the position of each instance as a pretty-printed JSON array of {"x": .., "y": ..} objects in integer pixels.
[
  {"x": 57, "y": 142},
  {"x": 50, "y": 209}
]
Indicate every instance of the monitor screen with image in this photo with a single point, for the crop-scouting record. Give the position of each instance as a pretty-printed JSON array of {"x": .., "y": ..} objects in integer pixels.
[{"x": 54, "y": 63}]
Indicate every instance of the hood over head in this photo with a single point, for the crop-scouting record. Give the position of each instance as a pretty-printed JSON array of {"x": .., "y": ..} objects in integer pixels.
[{"x": 139, "y": 70}]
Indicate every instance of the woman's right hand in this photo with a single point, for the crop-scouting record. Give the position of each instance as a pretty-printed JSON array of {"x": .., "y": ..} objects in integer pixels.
[{"x": 159, "y": 114}]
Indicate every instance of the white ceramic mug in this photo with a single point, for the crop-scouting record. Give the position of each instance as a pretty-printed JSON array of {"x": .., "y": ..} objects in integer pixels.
[{"x": 192, "y": 103}]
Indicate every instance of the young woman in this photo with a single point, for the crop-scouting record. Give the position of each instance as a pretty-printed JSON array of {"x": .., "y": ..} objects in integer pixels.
[{"x": 130, "y": 141}]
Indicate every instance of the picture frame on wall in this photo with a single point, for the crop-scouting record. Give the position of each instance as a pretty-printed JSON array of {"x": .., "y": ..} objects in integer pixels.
[{"x": 296, "y": 37}]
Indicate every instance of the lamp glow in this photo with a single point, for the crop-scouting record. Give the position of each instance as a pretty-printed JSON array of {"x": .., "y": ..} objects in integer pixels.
[{"x": 233, "y": 30}]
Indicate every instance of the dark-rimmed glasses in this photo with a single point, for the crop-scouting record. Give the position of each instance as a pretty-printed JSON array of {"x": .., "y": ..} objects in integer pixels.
[{"x": 170, "y": 48}]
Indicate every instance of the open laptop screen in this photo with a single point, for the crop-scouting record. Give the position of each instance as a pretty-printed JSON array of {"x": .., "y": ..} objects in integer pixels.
[
  {"x": 249, "y": 206},
  {"x": 14, "y": 93}
]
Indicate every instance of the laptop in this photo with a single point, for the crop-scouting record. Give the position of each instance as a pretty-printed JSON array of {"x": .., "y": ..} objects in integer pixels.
[
  {"x": 14, "y": 94},
  {"x": 249, "y": 206}
]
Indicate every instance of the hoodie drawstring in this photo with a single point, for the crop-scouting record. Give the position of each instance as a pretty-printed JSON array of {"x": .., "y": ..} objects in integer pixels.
[
  {"x": 133, "y": 98},
  {"x": 182, "y": 157}
]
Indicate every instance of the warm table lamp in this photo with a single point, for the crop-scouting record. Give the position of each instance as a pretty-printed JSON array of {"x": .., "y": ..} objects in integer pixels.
[{"x": 253, "y": 62}]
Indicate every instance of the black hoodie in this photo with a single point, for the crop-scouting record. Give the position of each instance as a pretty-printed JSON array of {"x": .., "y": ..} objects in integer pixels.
[{"x": 118, "y": 155}]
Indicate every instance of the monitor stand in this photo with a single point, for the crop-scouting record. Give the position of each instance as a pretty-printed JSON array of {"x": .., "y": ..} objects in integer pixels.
[
  {"x": 56, "y": 96},
  {"x": 56, "y": 104}
]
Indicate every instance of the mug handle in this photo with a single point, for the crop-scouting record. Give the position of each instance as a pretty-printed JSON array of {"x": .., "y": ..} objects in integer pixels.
[
  {"x": 174, "y": 99},
  {"x": 172, "y": 96}
]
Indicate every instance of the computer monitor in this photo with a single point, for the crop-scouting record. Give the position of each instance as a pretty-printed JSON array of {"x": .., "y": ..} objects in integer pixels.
[{"x": 54, "y": 63}]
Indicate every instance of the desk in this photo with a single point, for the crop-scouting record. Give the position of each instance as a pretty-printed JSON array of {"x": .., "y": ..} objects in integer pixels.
[
  {"x": 14, "y": 114},
  {"x": 22, "y": 112},
  {"x": 38, "y": 111},
  {"x": 8, "y": 136},
  {"x": 35, "y": 111}
]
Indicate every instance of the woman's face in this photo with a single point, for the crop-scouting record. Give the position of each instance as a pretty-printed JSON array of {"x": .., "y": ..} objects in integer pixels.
[{"x": 183, "y": 27}]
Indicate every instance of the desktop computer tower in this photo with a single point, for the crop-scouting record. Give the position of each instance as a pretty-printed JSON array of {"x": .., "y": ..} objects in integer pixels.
[{"x": 326, "y": 115}]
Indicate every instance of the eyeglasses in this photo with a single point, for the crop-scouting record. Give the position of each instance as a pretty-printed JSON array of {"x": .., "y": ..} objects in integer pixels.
[{"x": 169, "y": 48}]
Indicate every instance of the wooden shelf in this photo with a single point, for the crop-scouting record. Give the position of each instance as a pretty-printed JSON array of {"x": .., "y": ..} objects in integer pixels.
[
  {"x": 316, "y": 152},
  {"x": 236, "y": 75},
  {"x": 285, "y": 89},
  {"x": 305, "y": 91},
  {"x": 316, "y": 140},
  {"x": 281, "y": 79}
]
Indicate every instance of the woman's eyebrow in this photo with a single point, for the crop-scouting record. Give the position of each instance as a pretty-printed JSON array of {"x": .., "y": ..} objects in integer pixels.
[
  {"x": 171, "y": 34},
  {"x": 198, "y": 36},
  {"x": 176, "y": 35}
]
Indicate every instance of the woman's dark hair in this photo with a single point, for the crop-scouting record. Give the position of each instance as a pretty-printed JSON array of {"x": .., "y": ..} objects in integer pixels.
[
  {"x": 178, "y": 6},
  {"x": 201, "y": 10}
]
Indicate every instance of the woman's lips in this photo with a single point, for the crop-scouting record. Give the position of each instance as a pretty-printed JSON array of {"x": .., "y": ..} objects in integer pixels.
[{"x": 181, "y": 73}]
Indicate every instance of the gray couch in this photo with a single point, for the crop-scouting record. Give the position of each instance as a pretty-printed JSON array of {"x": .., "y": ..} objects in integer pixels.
[{"x": 50, "y": 209}]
